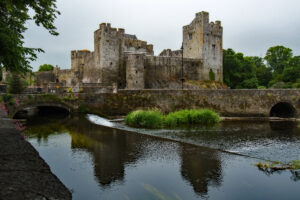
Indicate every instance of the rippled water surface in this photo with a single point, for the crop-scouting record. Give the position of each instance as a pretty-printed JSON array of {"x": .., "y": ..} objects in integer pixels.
[{"x": 98, "y": 159}]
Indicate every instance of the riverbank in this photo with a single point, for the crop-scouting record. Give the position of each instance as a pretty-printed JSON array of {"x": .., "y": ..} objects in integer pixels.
[{"x": 23, "y": 173}]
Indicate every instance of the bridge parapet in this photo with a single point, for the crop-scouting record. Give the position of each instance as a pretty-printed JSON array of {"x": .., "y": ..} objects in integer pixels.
[{"x": 227, "y": 102}]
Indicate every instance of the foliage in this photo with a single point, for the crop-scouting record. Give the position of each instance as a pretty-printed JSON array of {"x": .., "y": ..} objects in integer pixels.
[
  {"x": 155, "y": 119},
  {"x": 212, "y": 76},
  {"x": 278, "y": 58},
  {"x": 200, "y": 116},
  {"x": 49, "y": 97},
  {"x": 70, "y": 90},
  {"x": 263, "y": 73},
  {"x": 239, "y": 71},
  {"x": 261, "y": 87},
  {"x": 1, "y": 74},
  {"x": 45, "y": 67},
  {"x": 14, "y": 56},
  {"x": 15, "y": 84},
  {"x": 145, "y": 119},
  {"x": 8, "y": 99},
  {"x": 282, "y": 69}
]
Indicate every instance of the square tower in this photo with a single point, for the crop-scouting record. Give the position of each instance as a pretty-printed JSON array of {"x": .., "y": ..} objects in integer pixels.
[{"x": 203, "y": 40}]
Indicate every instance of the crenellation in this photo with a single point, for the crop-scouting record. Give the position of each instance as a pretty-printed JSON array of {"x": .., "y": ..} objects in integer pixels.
[{"x": 124, "y": 60}]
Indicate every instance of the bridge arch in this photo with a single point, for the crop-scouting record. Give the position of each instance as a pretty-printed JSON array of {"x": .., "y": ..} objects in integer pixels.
[
  {"x": 54, "y": 105},
  {"x": 283, "y": 110}
]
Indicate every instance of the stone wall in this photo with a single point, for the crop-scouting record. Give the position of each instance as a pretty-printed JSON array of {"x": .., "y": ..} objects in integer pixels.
[
  {"x": 203, "y": 40},
  {"x": 226, "y": 102},
  {"x": 107, "y": 64},
  {"x": 164, "y": 72}
]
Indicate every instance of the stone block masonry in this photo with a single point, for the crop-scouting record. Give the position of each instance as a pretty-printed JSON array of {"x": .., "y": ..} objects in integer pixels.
[{"x": 118, "y": 59}]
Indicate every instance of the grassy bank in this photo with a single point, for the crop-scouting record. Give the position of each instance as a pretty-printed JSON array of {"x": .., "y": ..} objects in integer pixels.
[{"x": 155, "y": 119}]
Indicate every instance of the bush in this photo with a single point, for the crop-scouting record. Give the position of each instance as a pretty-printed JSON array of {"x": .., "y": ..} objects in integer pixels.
[
  {"x": 155, "y": 119},
  {"x": 212, "y": 75},
  {"x": 200, "y": 116},
  {"x": 15, "y": 84},
  {"x": 145, "y": 119},
  {"x": 261, "y": 87},
  {"x": 8, "y": 99}
]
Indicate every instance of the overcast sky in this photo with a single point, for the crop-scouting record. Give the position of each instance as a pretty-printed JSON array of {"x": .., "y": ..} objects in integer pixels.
[{"x": 249, "y": 26}]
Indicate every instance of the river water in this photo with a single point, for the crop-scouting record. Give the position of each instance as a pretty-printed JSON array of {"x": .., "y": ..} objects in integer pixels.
[{"x": 98, "y": 159}]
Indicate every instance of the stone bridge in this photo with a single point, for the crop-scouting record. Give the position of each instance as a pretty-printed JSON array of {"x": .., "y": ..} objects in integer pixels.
[{"x": 256, "y": 103}]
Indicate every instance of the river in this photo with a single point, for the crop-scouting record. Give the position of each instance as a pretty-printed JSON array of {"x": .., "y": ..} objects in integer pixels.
[{"x": 98, "y": 159}]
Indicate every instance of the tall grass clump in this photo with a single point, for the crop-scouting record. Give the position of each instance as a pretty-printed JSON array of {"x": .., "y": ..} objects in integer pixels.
[
  {"x": 145, "y": 119},
  {"x": 199, "y": 116}
]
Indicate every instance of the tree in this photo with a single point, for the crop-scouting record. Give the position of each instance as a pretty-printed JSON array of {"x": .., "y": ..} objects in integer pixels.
[
  {"x": 1, "y": 74},
  {"x": 14, "y": 14},
  {"x": 15, "y": 84},
  {"x": 46, "y": 67},
  {"x": 263, "y": 73},
  {"x": 239, "y": 71},
  {"x": 278, "y": 58},
  {"x": 292, "y": 72}
]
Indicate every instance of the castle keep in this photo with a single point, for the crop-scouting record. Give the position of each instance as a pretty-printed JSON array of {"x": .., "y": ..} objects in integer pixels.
[{"x": 125, "y": 61}]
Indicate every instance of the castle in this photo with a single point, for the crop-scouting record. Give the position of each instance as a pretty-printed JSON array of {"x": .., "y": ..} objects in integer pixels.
[{"x": 123, "y": 60}]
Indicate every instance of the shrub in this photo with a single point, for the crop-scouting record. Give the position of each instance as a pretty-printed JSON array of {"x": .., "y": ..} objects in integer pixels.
[
  {"x": 154, "y": 118},
  {"x": 261, "y": 87},
  {"x": 145, "y": 119},
  {"x": 8, "y": 99},
  {"x": 200, "y": 116},
  {"x": 212, "y": 75},
  {"x": 15, "y": 84}
]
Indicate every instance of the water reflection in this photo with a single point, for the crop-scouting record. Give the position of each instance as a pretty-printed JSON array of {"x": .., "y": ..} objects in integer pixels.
[
  {"x": 200, "y": 170},
  {"x": 133, "y": 166},
  {"x": 112, "y": 150}
]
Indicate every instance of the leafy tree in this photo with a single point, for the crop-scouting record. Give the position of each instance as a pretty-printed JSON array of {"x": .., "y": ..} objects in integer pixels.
[
  {"x": 239, "y": 71},
  {"x": 15, "y": 84},
  {"x": 14, "y": 14},
  {"x": 46, "y": 67},
  {"x": 263, "y": 73},
  {"x": 278, "y": 58},
  {"x": 292, "y": 72}
]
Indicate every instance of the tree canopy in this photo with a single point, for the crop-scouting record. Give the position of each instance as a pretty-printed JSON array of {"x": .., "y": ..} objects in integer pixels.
[
  {"x": 46, "y": 67},
  {"x": 14, "y": 56},
  {"x": 279, "y": 69},
  {"x": 239, "y": 71},
  {"x": 278, "y": 58}
]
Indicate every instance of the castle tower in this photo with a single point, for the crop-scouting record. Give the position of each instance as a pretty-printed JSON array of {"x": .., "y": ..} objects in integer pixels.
[
  {"x": 203, "y": 40},
  {"x": 135, "y": 71},
  {"x": 108, "y": 43}
]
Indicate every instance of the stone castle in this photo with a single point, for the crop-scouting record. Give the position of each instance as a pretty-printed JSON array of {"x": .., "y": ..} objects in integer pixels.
[{"x": 126, "y": 62}]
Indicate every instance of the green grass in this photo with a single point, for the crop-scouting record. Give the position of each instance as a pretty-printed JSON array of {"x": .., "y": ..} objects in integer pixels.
[
  {"x": 155, "y": 119},
  {"x": 145, "y": 119},
  {"x": 200, "y": 116}
]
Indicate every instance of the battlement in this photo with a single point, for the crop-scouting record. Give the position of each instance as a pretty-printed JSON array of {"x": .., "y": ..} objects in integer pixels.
[
  {"x": 106, "y": 27},
  {"x": 80, "y": 53}
]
